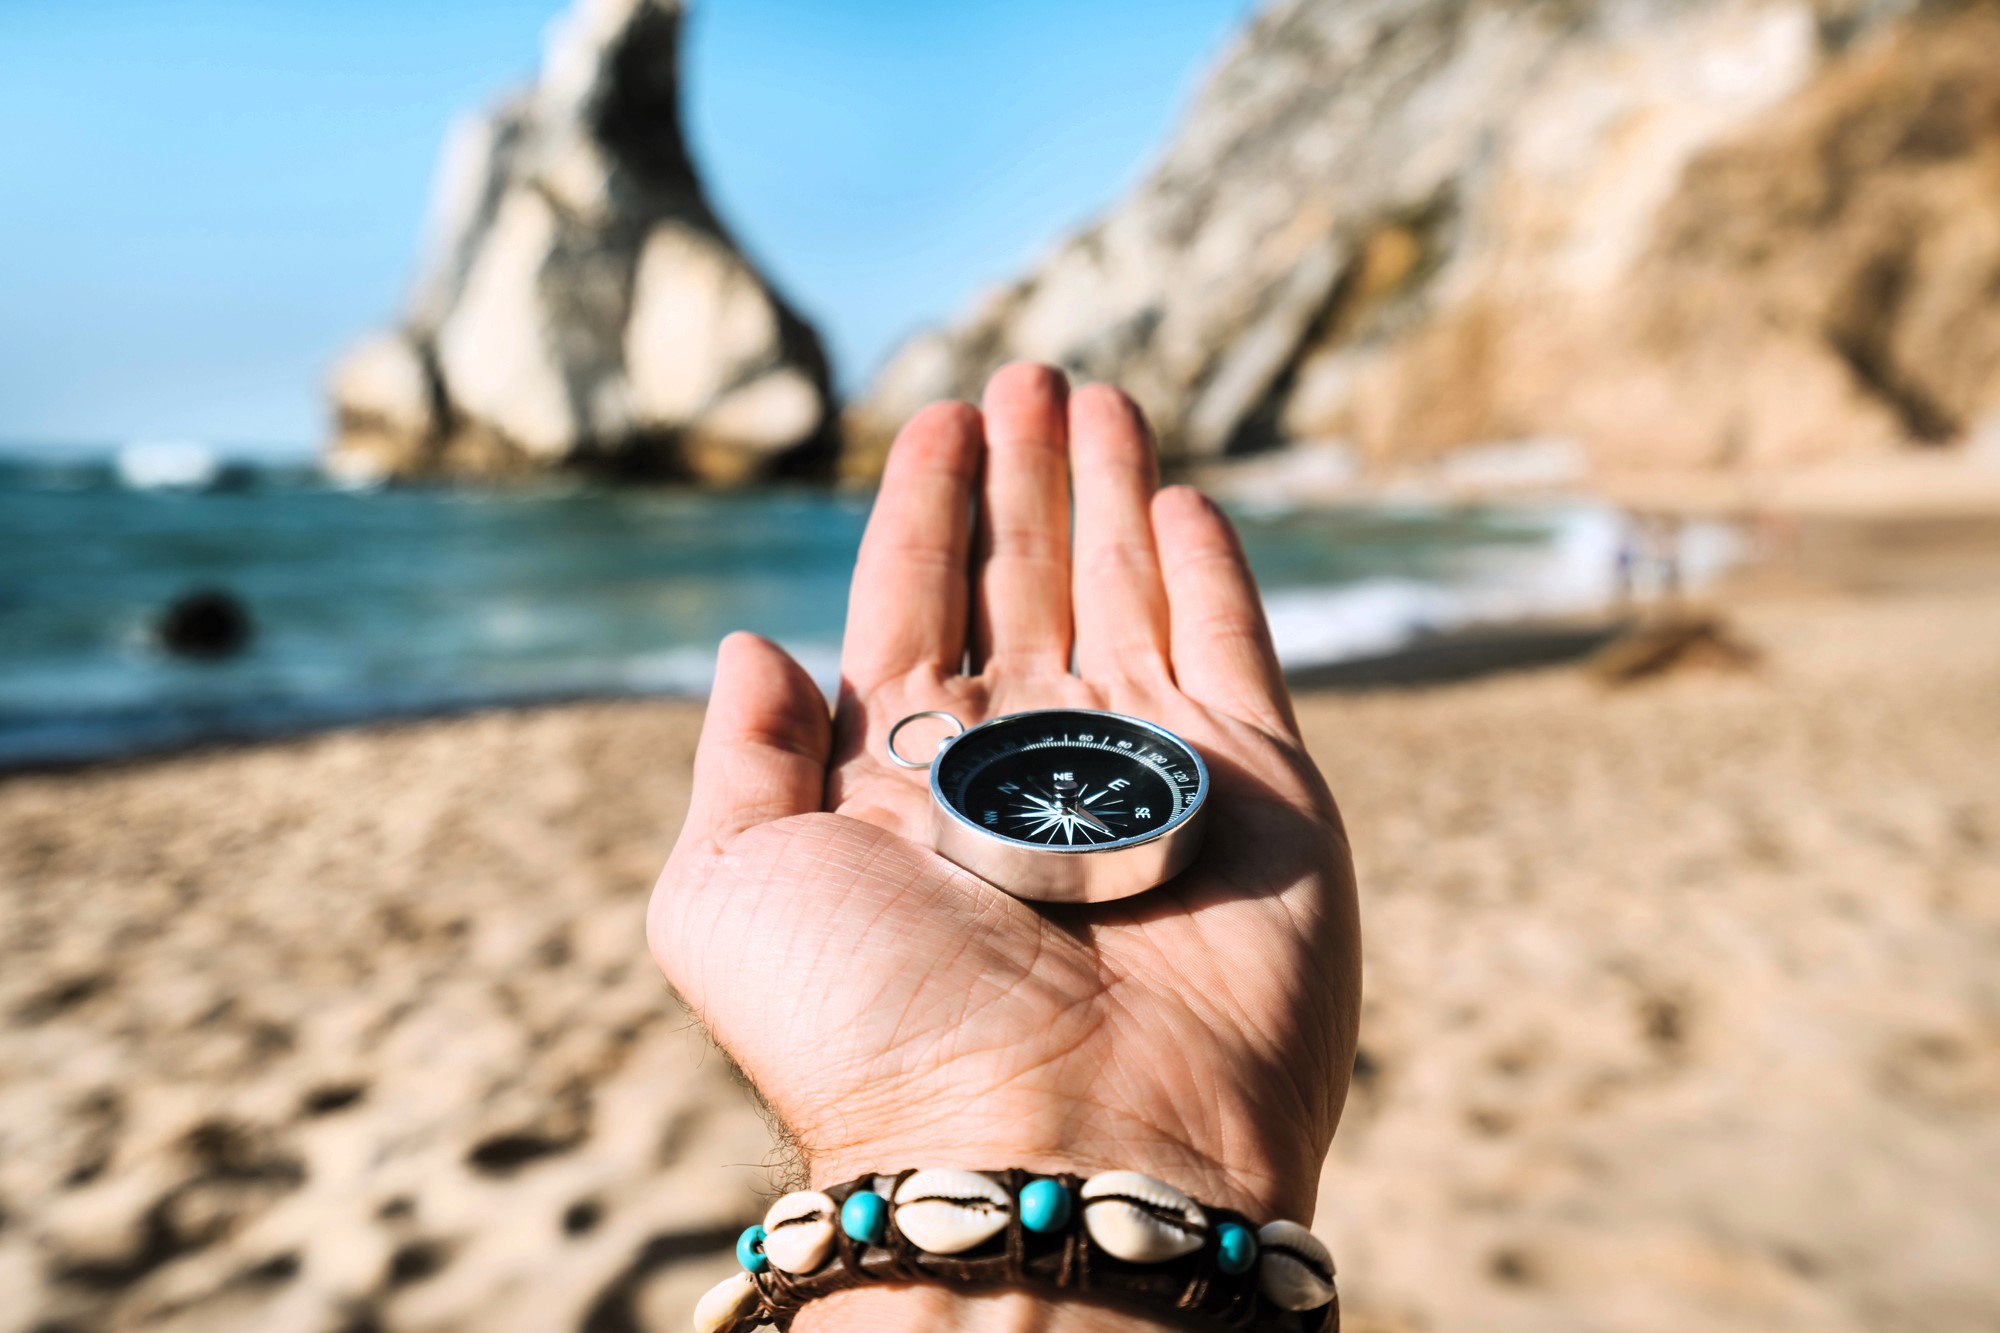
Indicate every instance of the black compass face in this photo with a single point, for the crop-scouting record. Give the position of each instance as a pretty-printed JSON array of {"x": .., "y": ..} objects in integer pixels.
[{"x": 1070, "y": 779}]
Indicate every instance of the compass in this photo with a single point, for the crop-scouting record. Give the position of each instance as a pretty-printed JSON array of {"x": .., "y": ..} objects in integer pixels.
[{"x": 1065, "y": 804}]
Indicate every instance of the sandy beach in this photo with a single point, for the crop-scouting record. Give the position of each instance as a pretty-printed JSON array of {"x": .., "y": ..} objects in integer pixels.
[{"x": 1683, "y": 1011}]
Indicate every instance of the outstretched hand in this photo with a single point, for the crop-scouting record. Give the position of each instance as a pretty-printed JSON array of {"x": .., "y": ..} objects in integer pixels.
[{"x": 894, "y": 1010}]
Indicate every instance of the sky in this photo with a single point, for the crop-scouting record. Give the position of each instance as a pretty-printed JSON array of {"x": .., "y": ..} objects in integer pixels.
[{"x": 203, "y": 201}]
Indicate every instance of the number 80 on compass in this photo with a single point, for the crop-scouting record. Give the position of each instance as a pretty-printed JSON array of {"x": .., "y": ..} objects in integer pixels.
[{"x": 1065, "y": 804}]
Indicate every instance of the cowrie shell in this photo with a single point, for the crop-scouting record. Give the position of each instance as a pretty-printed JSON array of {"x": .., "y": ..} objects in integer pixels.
[
  {"x": 798, "y": 1231},
  {"x": 1294, "y": 1267},
  {"x": 1140, "y": 1220},
  {"x": 724, "y": 1303},
  {"x": 948, "y": 1212}
]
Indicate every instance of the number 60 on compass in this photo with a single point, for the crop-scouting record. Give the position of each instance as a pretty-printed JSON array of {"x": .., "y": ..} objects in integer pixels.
[{"x": 1065, "y": 804}]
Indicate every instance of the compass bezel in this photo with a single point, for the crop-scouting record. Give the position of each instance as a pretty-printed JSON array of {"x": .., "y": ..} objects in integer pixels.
[
  {"x": 1038, "y": 716},
  {"x": 1062, "y": 873}
]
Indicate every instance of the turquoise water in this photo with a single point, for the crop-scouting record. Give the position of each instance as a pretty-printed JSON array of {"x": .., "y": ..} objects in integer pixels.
[{"x": 412, "y": 601}]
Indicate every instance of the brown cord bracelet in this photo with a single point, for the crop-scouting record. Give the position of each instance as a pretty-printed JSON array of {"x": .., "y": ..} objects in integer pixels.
[{"x": 1118, "y": 1234}]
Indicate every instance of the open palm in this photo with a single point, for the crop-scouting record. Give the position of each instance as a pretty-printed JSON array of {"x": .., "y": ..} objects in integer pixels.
[{"x": 896, "y": 1011}]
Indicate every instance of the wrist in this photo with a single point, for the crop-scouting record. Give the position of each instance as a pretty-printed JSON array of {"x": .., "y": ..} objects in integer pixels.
[
  {"x": 1263, "y": 1195},
  {"x": 1264, "y": 1177},
  {"x": 949, "y": 1310}
]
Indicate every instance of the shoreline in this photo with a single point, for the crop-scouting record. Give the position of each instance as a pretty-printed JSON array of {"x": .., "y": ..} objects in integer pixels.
[
  {"x": 1892, "y": 547},
  {"x": 446, "y": 607},
  {"x": 1468, "y": 653}
]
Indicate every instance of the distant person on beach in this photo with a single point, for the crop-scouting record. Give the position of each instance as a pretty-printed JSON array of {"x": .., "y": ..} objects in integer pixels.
[
  {"x": 896, "y": 1012},
  {"x": 1668, "y": 539}
]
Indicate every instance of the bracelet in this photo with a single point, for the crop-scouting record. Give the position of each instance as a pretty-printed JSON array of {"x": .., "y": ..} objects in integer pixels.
[{"x": 1118, "y": 1233}]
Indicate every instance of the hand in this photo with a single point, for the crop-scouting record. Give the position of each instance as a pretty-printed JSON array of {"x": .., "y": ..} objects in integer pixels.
[{"x": 894, "y": 1010}]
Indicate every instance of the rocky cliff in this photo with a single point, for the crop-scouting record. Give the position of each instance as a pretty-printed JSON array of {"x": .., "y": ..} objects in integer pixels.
[
  {"x": 580, "y": 305},
  {"x": 1682, "y": 233}
]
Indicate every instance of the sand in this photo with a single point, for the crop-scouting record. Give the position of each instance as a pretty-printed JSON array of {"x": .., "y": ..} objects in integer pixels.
[{"x": 1683, "y": 1011}]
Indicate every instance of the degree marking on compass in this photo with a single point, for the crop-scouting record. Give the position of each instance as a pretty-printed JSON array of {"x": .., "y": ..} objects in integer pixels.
[{"x": 1045, "y": 816}]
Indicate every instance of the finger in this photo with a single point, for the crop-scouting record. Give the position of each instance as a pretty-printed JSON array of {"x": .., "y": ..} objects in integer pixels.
[
  {"x": 764, "y": 743},
  {"x": 1222, "y": 654},
  {"x": 907, "y": 605},
  {"x": 1021, "y": 613},
  {"x": 1121, "y": 606}
]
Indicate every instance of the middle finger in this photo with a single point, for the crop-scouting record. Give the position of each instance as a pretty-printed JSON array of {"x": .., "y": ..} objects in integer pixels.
[
  {"x": 1022, "y": 611},
  {"x": 1121, "y": 604}
]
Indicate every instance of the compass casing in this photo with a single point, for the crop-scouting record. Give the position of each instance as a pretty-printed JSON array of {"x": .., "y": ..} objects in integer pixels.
[{"x": 1067, "y": 874}]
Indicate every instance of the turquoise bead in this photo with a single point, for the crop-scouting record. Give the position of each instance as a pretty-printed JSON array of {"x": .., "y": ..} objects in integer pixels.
[
  {"x": 865, "y": 1217},
  {"x": 1044, "y": 1205},
  {"x": 1235, "y": 1249},
  {"x": 750, "y": 1250}
]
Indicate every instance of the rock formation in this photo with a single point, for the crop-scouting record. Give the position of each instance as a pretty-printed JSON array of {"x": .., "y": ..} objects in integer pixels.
[
  {"x": 1683, "y": 233},
  {"x": 580, "y": 304}
]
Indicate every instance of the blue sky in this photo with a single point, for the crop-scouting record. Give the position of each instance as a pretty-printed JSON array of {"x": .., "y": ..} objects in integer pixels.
[{"x": 201, "y": 201}]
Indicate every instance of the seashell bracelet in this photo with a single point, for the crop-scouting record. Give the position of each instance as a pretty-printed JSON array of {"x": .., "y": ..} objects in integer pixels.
[{"x": 1118, "y": 1233}]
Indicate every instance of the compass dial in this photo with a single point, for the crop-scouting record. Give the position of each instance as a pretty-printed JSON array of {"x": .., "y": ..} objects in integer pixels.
[{"x": 1070, "y": 779}]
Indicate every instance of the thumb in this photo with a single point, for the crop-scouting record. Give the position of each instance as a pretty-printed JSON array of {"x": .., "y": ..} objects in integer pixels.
[{"x": 764, "y": 744}]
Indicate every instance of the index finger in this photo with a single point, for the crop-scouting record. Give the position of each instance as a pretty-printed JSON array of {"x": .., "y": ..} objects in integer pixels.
[{"x": 906, "y": 608}]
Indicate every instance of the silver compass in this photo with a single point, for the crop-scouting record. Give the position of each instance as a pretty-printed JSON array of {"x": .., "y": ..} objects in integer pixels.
[{"x": 1065, "y": 804}]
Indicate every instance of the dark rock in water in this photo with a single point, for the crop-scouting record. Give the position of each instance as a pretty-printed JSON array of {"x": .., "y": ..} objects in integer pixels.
[
  {"x": 1681, "y": 233},
  {"x": 580, "y": 305},
  {"x": 209, "y": 624}
]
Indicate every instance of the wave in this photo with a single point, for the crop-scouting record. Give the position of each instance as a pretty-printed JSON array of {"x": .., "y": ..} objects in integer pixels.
[{"x": 1592, "y": 561}]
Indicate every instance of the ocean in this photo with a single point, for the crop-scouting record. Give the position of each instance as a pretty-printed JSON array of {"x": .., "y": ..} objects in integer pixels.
[{"x": 367, "y": 604}]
